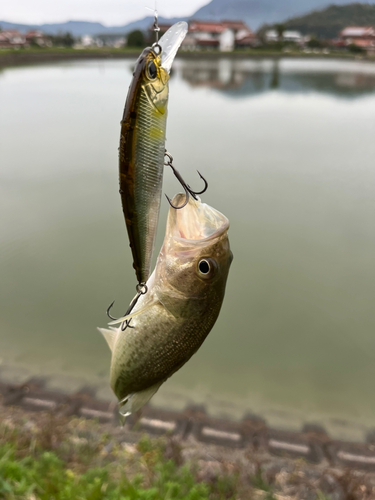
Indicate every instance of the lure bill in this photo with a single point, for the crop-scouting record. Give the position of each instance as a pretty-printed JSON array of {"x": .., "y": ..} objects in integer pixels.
[
  {"x": 142, "y": 146},
  {"x": 185, "y": 294}
]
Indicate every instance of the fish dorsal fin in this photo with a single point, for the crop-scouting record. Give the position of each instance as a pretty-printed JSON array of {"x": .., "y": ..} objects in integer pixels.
[
  {"x": 134, "y": 314},
  {"x": 110, "y": 336}
]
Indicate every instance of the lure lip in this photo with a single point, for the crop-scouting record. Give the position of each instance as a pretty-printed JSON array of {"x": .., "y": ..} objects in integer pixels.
[{"x": 170, "y": 43}]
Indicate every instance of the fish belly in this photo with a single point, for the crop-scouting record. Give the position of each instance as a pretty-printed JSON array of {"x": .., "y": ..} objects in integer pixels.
[{"x": 157, "y": 346}]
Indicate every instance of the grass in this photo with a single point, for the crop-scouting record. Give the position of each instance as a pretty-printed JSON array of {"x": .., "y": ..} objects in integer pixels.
[
  {"x": 46, "y": 477},
  {"x": 46, "y": 457},
  {"x": 47, "y": 463}
]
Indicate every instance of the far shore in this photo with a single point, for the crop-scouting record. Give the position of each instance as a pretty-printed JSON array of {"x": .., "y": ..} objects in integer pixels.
[{"x": 30, "y": 56}]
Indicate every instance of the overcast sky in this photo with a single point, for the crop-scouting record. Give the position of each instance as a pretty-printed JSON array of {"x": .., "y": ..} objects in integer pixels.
[{"x": 108, "y": 12}]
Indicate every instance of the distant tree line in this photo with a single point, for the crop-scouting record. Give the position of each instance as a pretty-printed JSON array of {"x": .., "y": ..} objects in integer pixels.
[
  {"x": 63, "y": 40},
  {"x": 329, "y": 22}
]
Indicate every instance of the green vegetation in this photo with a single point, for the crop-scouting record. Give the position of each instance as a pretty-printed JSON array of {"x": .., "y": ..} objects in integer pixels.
[
  {"x": 354, "y": 49},
  {"x": 314, "y": 43},
  {"x": 46, "y": 477},
  {"x": 329, "y": 22},
  {"x": 65, "y": 40},
  {"x": 79, "y": 463},
  {"x": 280, "y": 28},
  {"x": 136, "y": 39},
  {"x": 45, "y": 457}
]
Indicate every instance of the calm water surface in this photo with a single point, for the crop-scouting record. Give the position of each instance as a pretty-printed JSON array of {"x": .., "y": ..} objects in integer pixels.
[{"x": 288, "y": 148}]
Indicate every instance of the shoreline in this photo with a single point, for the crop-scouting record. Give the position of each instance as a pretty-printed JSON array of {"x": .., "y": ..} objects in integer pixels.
[
  {"x": 59, "y": 452},
  {"x": 312, "y": 443},
  {"x": 29, "y": 56}
]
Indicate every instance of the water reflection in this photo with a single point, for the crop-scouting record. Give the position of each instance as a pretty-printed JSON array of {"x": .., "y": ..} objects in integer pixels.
[{"x": 241, "y": 78}]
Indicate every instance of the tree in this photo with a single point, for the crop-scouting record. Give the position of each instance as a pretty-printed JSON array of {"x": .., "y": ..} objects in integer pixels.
[
  {"x": 314, "y": 43},
  {"x": 136, "y": 39},
  {"x": 355, "y": 49},
  {"x": 280, "y": 28},
  {"x": 65, "y": 40}
]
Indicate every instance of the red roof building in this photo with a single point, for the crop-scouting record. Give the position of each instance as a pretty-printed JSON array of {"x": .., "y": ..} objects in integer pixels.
[
  {"x": 362, "y": 36},
  {"x": 12, "y": 39},
  {"x": 38, "y": 38},
  {"x": 218, "y": 34},
  {"x": 235, "y": 25},
  {"x": 206, "y": 27}
]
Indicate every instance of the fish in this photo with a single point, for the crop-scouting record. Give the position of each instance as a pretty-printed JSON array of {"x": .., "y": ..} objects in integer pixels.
[
  {"x": 142, "y": 146},
  {"x": 184, "y": 298}
]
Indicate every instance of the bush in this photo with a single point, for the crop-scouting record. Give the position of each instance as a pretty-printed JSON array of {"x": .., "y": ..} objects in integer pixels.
[
  {"x": 355, "y": 49},
  {"x": 136, "y": 39}
]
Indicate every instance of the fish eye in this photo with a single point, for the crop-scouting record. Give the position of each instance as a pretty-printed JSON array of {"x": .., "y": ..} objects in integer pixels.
[
  {"x": 206, "y": 268},
  {"x": 151, "y": 70}
]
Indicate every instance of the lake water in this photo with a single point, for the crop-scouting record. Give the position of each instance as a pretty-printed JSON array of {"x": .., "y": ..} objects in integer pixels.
[{"x": 288, "y": 148}]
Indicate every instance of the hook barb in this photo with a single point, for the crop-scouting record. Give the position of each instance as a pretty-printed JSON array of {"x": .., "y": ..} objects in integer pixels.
[
  {"x": 187, "y": 188},
  {"x": 109, "y": 308},
  {"x": 127, "y": 322},
  {"x": 205, "y": 186}
]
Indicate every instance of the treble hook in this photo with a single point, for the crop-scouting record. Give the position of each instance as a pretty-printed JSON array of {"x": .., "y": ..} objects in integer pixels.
[
  {"x": 187, "y": 188},
  {"x": 141, "y": 290},
  {"x": 115, "y": 319}
]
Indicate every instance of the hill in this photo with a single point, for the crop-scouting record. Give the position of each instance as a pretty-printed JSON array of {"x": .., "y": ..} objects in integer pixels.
[
  {"x": 76, "y": 28},
  {"x": 79, "y": 28},
  {"x": 329, "y": 22},
  {"x": 254, "y": 12},
  {"x": 258, "y": 12}
]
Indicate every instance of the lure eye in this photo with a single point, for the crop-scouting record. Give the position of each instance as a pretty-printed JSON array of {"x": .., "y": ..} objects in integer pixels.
[
  {"x": 206, "y": 268},
  {"x": 152, "y": 71}
]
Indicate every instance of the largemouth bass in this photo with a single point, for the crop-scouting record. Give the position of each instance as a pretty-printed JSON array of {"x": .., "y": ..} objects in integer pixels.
[
  {"x": 142, "y": 146},
  {"x": 171, "y": 321}
]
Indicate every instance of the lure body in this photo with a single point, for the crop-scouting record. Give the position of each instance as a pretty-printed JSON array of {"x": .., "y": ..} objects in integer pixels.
[
  {"x": 141, "y": 158},
  {"x": 185, "y": 294}
]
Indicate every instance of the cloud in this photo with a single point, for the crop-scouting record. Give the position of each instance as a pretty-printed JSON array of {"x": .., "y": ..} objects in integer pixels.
[{"x": 108, "y": 12}]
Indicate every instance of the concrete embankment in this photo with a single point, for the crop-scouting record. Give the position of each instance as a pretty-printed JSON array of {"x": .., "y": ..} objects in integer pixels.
[
  {"x": 312, "y": 444},
  {"x": 293, "y": 466}
]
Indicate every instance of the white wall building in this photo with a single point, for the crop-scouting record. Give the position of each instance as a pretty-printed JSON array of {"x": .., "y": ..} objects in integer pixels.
[
  {"x": 288, "y": 36},
  {"x": 226, "y": 40}
]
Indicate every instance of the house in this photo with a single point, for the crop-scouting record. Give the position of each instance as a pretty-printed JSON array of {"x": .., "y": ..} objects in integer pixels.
[
  {"x": 287, "y": 36},
  {"x": 243, "y": 36},
  {"x": 205, "y": 33},
  {"x": 12, "y": 39},
  {"x": 38, "y": 38},
  {"x": 223, "y": 35},
  {"x": 247, "y": 39},
  {"x": 115, "y": 40},
  {"x": 362, "y": 36}
]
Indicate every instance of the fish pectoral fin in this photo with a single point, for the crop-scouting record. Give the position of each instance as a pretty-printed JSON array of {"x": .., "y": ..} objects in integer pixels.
[
  {"x": 110, "y": 336},
  {"x": 134, "y": 314},
  {"x": 133, "y": 402}
]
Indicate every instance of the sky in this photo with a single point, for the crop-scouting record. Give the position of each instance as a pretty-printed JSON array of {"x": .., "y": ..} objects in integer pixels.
[{"x": 108, "y": 12}]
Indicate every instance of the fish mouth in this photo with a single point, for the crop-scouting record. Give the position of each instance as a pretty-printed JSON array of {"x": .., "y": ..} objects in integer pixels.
[{"x": 196, "y": 221}]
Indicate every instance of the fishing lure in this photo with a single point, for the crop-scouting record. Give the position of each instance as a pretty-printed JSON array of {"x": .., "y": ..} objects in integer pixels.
[{"x": 142, "y": 146}]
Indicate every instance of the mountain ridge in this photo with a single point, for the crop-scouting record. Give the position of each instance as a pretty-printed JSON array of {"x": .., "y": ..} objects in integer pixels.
[
  {"x": 79, "y": 28},
  {"x": 329, "y": 22},
  {"x": 254, "y": 12},
  {"x": 258, "y": 12}
]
